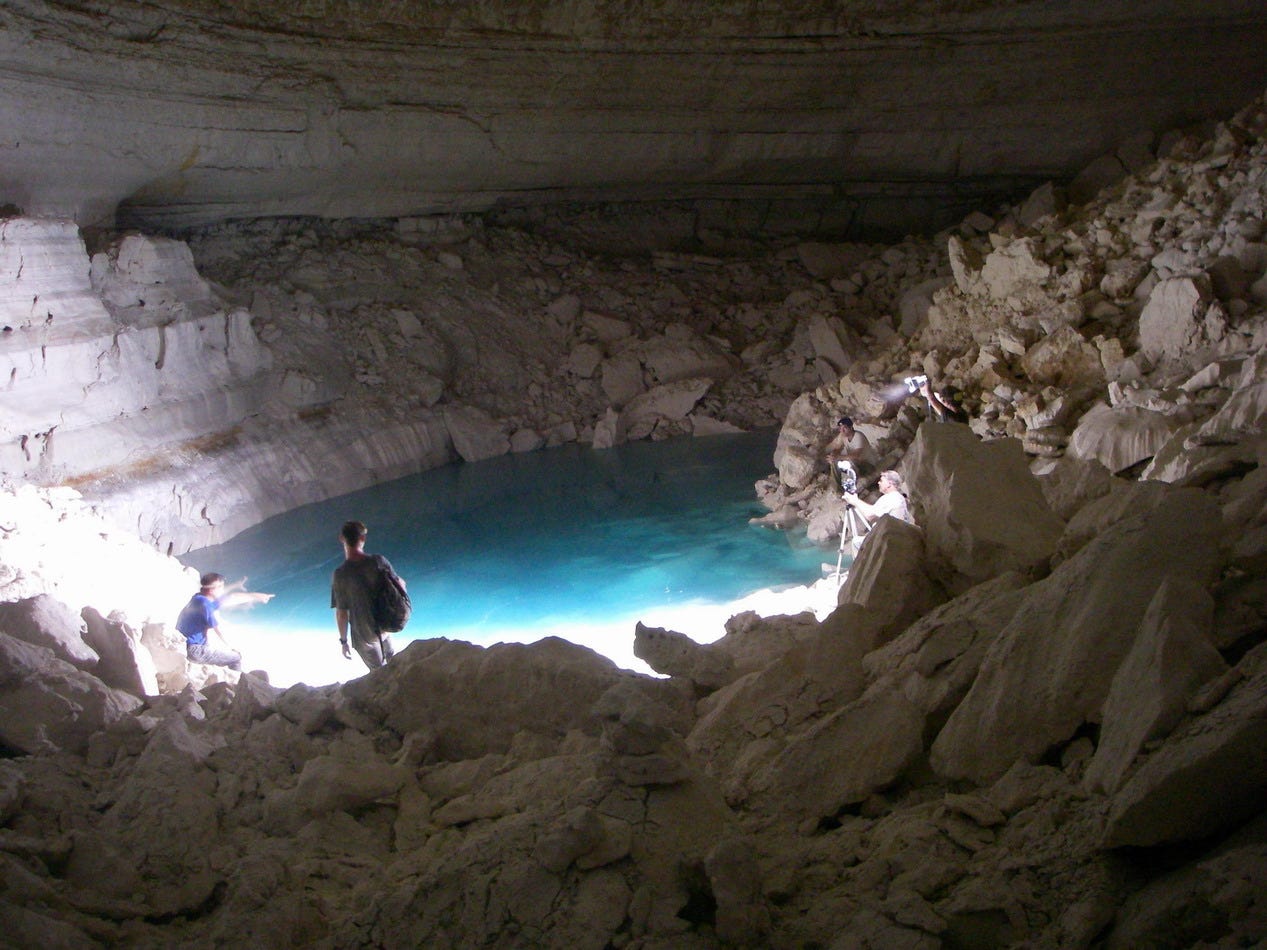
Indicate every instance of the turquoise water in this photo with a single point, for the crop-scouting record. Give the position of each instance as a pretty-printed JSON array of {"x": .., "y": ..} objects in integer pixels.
[{"x": 570, "y": 541}]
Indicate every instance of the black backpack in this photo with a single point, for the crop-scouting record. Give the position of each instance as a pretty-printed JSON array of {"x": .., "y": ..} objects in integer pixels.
[{"x": 391, "y": 604}]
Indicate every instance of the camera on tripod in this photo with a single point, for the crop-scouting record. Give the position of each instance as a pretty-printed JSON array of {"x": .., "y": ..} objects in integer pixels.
[
  {"x": 848, "y": 477},
  {"x": 913, "y": 383}
]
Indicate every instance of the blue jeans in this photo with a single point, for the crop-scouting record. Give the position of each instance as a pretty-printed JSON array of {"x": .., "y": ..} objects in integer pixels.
[{"x": 204, "y": 653}]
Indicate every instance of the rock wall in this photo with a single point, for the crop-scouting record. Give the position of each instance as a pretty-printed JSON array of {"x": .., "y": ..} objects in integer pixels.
[{"x": 870, "y": 116}]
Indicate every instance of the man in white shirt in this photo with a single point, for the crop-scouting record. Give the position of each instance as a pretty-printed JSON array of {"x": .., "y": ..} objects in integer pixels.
[
  {"x": 852, "y": 447},
  {"x": 891, "y": 502}
]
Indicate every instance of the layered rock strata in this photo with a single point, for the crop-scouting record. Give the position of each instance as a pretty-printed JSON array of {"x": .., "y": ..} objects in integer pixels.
[{"x": 867, "y": 115}]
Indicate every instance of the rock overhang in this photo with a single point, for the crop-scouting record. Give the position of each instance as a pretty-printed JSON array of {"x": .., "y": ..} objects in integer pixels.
[{"x": 884, "y": 116}]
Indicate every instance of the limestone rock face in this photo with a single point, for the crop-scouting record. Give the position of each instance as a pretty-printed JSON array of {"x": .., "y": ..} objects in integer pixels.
[
  {"x": 48, "y": 704},
  {"x": 982, "y": 512},
  {"x": 263, "y": 109},
  {"x": 47, "y": 622},
  {"x": 1057, "y": 647},
  {"x": 1172, "y": 658},
  {"x": 1220, "y": 752}
]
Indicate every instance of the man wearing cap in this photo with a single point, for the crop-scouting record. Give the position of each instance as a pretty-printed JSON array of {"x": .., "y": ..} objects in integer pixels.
[{"x": 850, "y": 446}]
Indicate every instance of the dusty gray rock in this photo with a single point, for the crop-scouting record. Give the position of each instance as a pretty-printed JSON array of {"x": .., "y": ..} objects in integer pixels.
[
  {"x": 1119, "y": 438},
  {"x": 47, "y": 622},
  {"x": 1172, "y": 659},
  {"x": 46, "y": 704},
  {"x": 839, "y": 760},
  {"x": 888, "y": 579},
  {"x": 981, "y": 510},
  {"x": 1210, "y": 776},
  {"x": 475, "y": 435},
  {"x": 124, "y": 662},
  {"x": 676, "y": 654},
  {"x": 1056, "y": 646}
]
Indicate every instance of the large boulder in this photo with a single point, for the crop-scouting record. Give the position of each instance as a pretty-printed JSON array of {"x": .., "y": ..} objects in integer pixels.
[
  {"x": 841, "y": 759},
  {"x": 1171, "y": 659},
  {"x": 1121, "y": 437},
  {"x": 798, "y": 452},
  {"x": 543, "y": 688},
  {"x": 981, "y": 509},
  {"x": 888, "y": 579},
  {"x": 1052, "y": 668},
  {"x": 744, "y": 725},
  {"x": 1209, "y": 776},
  {"x": 126, "y": 663},
  {"x": 47, "y": 622},
  {"x": 476, "y": 435},
  {"x": 47, "y": 705},
  {"x": 1179, "y": 318},
  {"x": 672, "y": 401}
]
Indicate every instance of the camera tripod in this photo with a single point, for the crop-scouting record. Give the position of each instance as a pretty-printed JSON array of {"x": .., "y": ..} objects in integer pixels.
[{"x": 853, "y": 525}]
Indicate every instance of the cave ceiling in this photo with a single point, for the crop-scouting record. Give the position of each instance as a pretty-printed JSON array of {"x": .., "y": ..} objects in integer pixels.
[{"x": 175, "y": 113}]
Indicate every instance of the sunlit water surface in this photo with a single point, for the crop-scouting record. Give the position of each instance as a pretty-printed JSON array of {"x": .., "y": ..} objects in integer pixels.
[{"x": 571, "y": 542}]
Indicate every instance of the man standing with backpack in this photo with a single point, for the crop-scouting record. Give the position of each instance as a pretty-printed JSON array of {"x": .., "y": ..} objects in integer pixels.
[{"x": 368, "y": 598}]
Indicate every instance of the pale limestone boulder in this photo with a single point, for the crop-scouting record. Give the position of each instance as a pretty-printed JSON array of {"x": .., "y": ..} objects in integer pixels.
[
  {"x": 888, "y": 579},
  {"x": 165, "y": 814},
  {"x": 125, "y": 661},
  {"x": 546, "y": 688},
  {"x": 1119, "y": 438},
  {"x": 754, "y": 642},
  {"x": 144, "y": 270},
  {"x": 622, "y": 378},
  {"x": 743, "y": 725},
  {"x": 798, "y": 452},
  {"x": 676, "y": 654},
  {"x": 606, "y": 430},
  {"x": 1244, "y": 413},
  {"x": 914, "y": 304},
  {"x": 826, "y": 261},
  {"x": 1172, "y": 658},
  {"x": 1121, "y": 276},
  {"x": 965, "y": 264},
  {"x": 1015, "y": 270},
  {"x": 1044, "y": 201},
  {"x": 1070, "y": 483},
  {"x": 585, "y": 838},
  {"x": 673, "y": 401},
  {"x": 1125, "y": 499},
  {"x": 737, "y": 885},
  {"x": 584, "y": 359},
  {"x": 605, "y": 327},
  {"x": 1051, "y": 669},
  {"x": 840, "y": 759},
  {"x": 341, "y": 781},
  {"x": 47, "y": 622},
  {"x": 47, "y": 705},
  {"x": 1228, "y": 439},
  {"x": 475, "y": 434},
  {"x": 702, "y": 425},
  {"x": 1173, "y": 323},
  {"x": 935, "y": 660},
  {"x": 981, "y": 510},
  {"x": 12, "y": 790},
  {"x": 1221, "y": 882},
  {"x": 828, "y": 336},
  {"x": 1064, "y": 358},
  {"x": 1099, "y": 174},
  {"x": 1209, "y": 775},
  {"x": 526, "y": 440},
  {"x": 682, "y": 354}
]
